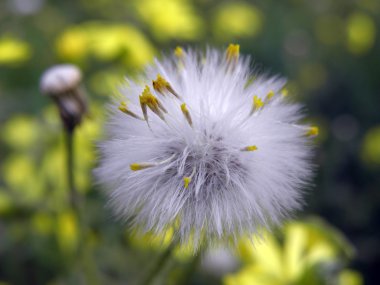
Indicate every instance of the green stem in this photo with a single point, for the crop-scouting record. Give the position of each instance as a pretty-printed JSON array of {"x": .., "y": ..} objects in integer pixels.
[
  {"x": 159, "y": 264},
  {"x": 70, "y": 169},
  {"x": 84, "y": 253},
  {"x": 189, "y": 272},
  {"x": 89, "y": 266}
]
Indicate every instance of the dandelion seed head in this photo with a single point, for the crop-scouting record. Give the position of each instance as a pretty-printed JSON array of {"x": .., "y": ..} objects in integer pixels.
[{"x": 198, "y": 145}]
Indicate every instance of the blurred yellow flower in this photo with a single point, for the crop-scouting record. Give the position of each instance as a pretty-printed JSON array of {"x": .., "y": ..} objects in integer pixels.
[
  {"x": 237, "y": 19},
  {"x": 349, "y": 277},
  {"x": 105, "y": 42},
  {"x": 35, "y": 169},
  {"x": 291, "y": 258},
  {"x": 21, "y": 177},
  {"x": 67, "y": 231},
  {"x": 72, "y": 44},
  {"x": 361, "y": 33},
  {"x": 370, "y": 151},
  {"x": 13, "y": 50},
  {"x": 170, "y": 19},
  {"x": 20, "y": 132}
]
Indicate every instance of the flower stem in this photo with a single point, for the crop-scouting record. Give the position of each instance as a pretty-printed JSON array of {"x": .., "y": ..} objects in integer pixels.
[
  {"x": 84, "y": 254},
  {"x": 73, "y": 196},
  {"x": 191, "y": 268},
  {"x": 159, "y": 264}
]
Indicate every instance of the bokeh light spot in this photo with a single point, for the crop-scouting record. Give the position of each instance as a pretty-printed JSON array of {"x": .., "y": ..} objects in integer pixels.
[
  {"x": 20, "y": 132},
  {"x": 371, "y": 147},
  {"x": 105, "y": 42},
  {"x": 170, "y": 18},
  {"x": 13, "y": 51},
  {"x": 237, "y": 20},
  {"x": 361, "y": 33}
]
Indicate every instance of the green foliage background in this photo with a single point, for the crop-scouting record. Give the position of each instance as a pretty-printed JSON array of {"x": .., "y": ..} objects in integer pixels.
[{"x": 328, "y": 49}]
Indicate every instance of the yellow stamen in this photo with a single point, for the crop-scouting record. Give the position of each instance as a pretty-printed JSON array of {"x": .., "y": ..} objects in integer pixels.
[
  {"x": 186, "y": 113},
  {"x": 123, "y": 107},
  {"x": 269, "y": 95},
  {"x": 140, "y": 166},
  {"x": 257, "y": 103},
  {"x": 312, "y": 131},
  {"x": 161, "y": 85},
  {"x": 147, "y": 99},
  {"x": 250, "y": 148},
  {"x": 186, "y": 181},
  {"x": 284, "y": 92},
  {"x": 178, "y": 52},
  {"x": 144, "y": 165},
  {"x": 232, "y": 53}
]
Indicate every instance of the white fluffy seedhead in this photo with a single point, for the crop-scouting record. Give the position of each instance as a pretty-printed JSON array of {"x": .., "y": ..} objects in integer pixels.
[{"x": 202, "y": 145}]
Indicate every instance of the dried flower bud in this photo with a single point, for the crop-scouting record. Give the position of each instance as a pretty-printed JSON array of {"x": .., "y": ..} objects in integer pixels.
[{"x": 62, "y": 84}]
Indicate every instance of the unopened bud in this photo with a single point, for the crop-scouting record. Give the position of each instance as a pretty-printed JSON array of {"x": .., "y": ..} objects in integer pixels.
[{"x": 62, "y": 84}]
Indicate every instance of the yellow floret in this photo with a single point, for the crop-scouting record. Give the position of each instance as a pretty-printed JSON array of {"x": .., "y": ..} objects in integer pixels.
[
  {"x": 269, "y": 95},
  {"x": 178, "y": 52},
  {"x": 123, "y": 107},
  {"x": 312, "y": 131},
  {"x": 186, "y": 181},
  {"x": 250, "y": 148},
  {"x": 232, "y": 52},
  {"x": 257, "y": 103}
]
